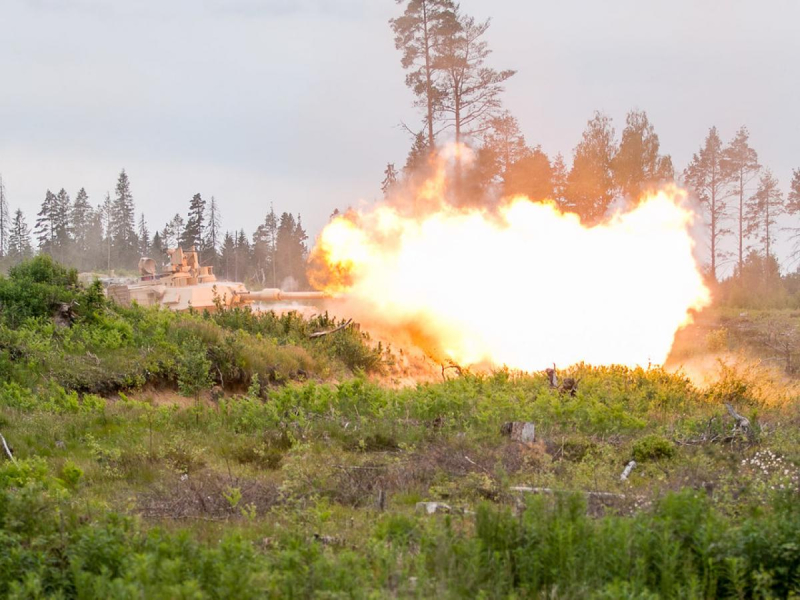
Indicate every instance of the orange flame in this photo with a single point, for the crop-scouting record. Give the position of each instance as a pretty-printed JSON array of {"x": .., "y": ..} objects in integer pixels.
[{"x": 524, "y": 286}]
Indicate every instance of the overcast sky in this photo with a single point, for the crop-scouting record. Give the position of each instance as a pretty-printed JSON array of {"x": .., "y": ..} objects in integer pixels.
[{"x": 298, "y": 102}]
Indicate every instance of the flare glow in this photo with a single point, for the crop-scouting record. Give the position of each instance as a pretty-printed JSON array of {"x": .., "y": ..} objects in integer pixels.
[{"x": 524, "y": 286}]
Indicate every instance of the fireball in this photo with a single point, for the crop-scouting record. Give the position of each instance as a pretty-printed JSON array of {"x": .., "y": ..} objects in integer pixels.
[{"x": 524, "y": 285}]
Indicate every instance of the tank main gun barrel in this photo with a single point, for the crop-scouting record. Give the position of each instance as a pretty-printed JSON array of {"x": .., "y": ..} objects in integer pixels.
[{"x": 276, "y": 295}]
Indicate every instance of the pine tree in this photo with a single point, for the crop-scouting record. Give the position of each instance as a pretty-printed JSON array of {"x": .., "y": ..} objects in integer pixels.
[
  {"x": 741, "y": 161},
  {"x": 213, "y": 230},
  {"x": 107, "y": 215},
  {"x": 123, "y": 223},
  {"x": 506, "y": 141},
  {"x": 96, "y": 250},
  {"x": 158, "y": 250},
  {"x": 389, "y": 179},
  {"x": 45, "y": 224},
  {"x": 61, "y": 225},
  {"x": 590, "y": 184},
  {"x": 419, "y": 34},
  {"x": 172, "y": 231},
  {"x": 80, "y": 218},
  {"x": 192, "y": 235},
  {"x": 19, "y": 239},
  {"x": 560, "y": 174},
  {"x": 470, "y": 89},
  {"x": 531, "y": 176},
  {"x": 5, "y": 220},
  {"x": 291, "y": 252},
  {"x": 637, "y": 165},
  {"x": 144, "y": 237},
  {"x": 241, "y": 256},
  {"x": 709, "y": 176},
  {"x": 263, "y": 251},
  {"x": 228, "y": 255},
  {"x": 763, "y": 210},
  {"x": 418, "y": 159}
]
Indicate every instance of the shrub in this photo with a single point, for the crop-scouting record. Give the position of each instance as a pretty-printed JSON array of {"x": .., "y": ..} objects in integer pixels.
[{"x": 653, "y": 447}]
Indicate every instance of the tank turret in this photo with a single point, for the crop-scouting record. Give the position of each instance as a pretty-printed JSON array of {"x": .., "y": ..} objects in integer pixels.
[{"x": 184, "y": 283}]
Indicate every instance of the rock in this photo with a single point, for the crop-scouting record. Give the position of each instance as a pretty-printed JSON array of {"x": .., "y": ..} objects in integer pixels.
[
  {"x": 430, "y": 508},
  {"x": 60, "y": 445},
  {"x": 520, "y": 431}
]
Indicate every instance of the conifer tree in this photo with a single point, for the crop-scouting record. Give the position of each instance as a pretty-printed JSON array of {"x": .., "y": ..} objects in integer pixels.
[
  {"x": 192, "y": 234},
  {"x": 19, "y": 239},
  {"x": 123, "y": 223},
  {"x": 213, "y": 230},
  {"x": 763, "y": 210},
  {"x": 420, "y": 33},
  {"x": 741, "y": 162},
  {"x": 45, "y": 224},
  {"x": 144, "y": 237},
  {"x": 531, "y": 176},
  {"x": 389, "y": 179},
  {"x": 709, "y": 176},
  {"x": 590, "y": 184},
  {"x": 80, "y": 219},
  {"x": 560, "y": 174},
  {"x": 61, "y": 225},
  {"x": 637, "y": 164},
  {"x": 107, "y": 216},
  {"x": 5, "y": 220},
  {"x": 228, "y": 255}
]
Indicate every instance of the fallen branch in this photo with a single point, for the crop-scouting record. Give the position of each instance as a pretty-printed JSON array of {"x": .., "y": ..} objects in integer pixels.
[
  {"x": 7, "y": 449},
  {"x": 627, "y": 472},
  {"x": 319, "y": 334},
  {"x": 742, "y": 422}
]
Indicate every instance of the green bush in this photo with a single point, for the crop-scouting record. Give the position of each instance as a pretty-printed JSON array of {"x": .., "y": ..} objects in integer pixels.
[{"x": 653, "y": 447}]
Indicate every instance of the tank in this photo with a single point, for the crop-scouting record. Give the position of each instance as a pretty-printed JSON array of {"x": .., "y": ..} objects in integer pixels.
[{"x": 185, "y": 284}]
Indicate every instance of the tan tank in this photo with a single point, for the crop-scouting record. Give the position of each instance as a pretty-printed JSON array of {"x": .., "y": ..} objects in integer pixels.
[{"x": 184, "y": 284}]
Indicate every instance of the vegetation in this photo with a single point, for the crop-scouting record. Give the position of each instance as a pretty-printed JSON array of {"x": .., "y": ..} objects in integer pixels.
[{"x": 301, "y": 479}]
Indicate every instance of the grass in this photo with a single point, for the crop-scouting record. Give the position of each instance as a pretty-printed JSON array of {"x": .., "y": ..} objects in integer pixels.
[{"x": 272, "y": 489}]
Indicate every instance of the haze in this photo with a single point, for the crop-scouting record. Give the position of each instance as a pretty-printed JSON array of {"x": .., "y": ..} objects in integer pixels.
[{"x": 300, "y": 103}]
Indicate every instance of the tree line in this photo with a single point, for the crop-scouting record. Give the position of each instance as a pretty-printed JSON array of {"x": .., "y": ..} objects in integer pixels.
[
  {"x": 444, "y": 55},
  {"x": 109, "y": 237}
]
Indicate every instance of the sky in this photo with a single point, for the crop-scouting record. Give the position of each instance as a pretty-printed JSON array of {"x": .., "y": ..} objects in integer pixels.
[{"x": 300, "y": 103}]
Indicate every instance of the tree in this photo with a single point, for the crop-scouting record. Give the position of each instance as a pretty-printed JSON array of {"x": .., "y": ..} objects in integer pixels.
[
  {"x": 107, "y": 215},
  {"x": 560, "y": 174},
  {"x": 213, "y": 230},
  {"x": 264, "y": 242},
  {"x": 389, "y": 179},
  {"x": 172, "y": 232},
  {"x": 709, "y": 177},
  {"x": 290, "y": 251},
  {"x": 5, "y": 223},
  {"x": 242, "y": 256},
  {"x": 44, "y": 229},
  {"x": 741, "y": 162},
  {"x": 531, "y": 176},
  {"x": 590, "y": 184},
  {"x": 61, "y": 225},
  {"x": 763, "y": 210},
  {"x": 418, "y": 159},
  {"x": 794, "y": 192},
  {"x": 419, "y": 33},
  {"x": 470, "y": 90},
  {"x": 228, "y": 255},
  {"x": 123, "y": 223},
  {"x": 158, "y": 249},
  {"x": 505, "y": 139},
  {"x": 637, "y": 164},
  {"x": 192, "y": 235},
  {"x": 80, "y": 218},
  {"x": 144, "y": 237},
  {"x": 19, "y": 239}
]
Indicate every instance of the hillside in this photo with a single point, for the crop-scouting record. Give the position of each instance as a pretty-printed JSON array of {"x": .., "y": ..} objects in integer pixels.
[{"x": 229, "y": 455}]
